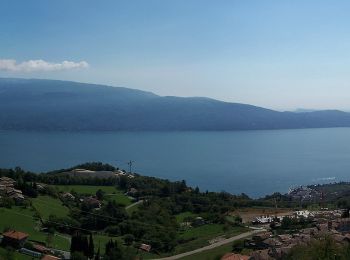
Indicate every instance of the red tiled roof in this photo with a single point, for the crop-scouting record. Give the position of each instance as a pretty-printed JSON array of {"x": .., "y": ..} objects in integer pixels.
[
  {"x": 50, "y": 257},
  {"x": 40, "y": 248},
  {"x": 15, "y": 235}
]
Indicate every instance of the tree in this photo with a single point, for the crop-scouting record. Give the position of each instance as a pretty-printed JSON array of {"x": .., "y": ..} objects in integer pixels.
[
  {"x": 129, "y": 239},
  {"x": 78, "y": 256},
  {"x": 49, "y": 239},
  {"x": 91, "y": 251},
  {"x": 79, "y": 243},
  {"x": 97, "y": 256},
  {"x": 85, "y": 246},
  {"x": 100, "y": 194},
  {"x": 113, "y": 251},
  {"x": 9, "y": 255}
]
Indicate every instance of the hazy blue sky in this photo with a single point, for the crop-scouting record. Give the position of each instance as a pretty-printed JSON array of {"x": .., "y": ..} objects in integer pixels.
[{"x": 276, "y": 54}]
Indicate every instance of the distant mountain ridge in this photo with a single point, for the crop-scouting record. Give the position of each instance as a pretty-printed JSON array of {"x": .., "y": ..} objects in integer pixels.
[{"x": 53, "y": 105}]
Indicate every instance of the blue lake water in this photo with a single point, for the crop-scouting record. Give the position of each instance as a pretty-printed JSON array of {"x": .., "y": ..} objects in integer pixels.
[{"x": 253, "y": 162}]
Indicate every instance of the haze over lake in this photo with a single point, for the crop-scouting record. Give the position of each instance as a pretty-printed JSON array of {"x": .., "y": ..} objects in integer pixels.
[{"x": 253, "y": 162}]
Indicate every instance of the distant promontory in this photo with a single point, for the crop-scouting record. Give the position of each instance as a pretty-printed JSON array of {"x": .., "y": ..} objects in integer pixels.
[{"x": 53, "y": 105}]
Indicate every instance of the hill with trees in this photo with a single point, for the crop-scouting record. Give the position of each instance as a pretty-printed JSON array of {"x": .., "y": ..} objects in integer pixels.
[{"x": 32, "y": 104}]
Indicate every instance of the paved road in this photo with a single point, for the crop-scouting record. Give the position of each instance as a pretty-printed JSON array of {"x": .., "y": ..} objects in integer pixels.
[
  {"x": 220, "y": 243},
  {"x": 134, "y": 204}
]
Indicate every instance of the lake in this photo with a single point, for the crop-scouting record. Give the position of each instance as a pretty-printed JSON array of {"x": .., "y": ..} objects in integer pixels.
[{"x": 253, "y": 162}]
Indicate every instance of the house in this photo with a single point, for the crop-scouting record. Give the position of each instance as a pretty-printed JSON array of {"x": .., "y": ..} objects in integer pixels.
[
  {"x": 145, "y": 247},
  {"x": 198, "y": 221},
  {"x": 5, "y": 184},
  {"x": 2, "y": 189},
  {"x": 92, "y": 202},
  {"x": 40, "y": 248},
  {"x": 16, "y": 195},
  {"x": 263, "y": 220},
  {"x": 132, "y": 192},
  {"x": 18, "y": 198},
  {"x": 40, "y": 186},
  {"x": 14, "y": 238},
  {"x": 233, "y": 256},
  {"x": 68, "y": 196},
  {"x": 7, "y": 180},
  {"x": 303, "y": 213}
]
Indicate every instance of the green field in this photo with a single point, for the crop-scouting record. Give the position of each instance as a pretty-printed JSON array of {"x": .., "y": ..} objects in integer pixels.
[
  {"x": 119, "y": 197},
  {"x": 47, "y": 206},
  {"x": 199, "y": 236},
  {"x": 21, "y": 219},
  {"x": 181, "y": 217},
  {"x": 212, "y": 254},
  {"x": 132, "y": 209},
  {"x": 5, "y": 255},
  {"x": 112, "y": 193},
  {"x": 86, "y": 189}
]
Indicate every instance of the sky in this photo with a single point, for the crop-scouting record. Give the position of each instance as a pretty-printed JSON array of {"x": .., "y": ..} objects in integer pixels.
[{"x": 276, "y": 54}]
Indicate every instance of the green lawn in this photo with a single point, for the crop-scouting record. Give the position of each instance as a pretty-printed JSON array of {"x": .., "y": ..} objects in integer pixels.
[
  {"x": 212, "y": 254},
  {"x": 133, "y": 208},
  {"x": 180, "y": 217},
  {"x": 119, "y": 197},
  {"x": 4, "y": 255},
  {"x": 47, "y": 206},
  {"x": 199, "y": 236},
  {"x": 112, "y": 193},
  {"x": 86, "y": 189},
  {"x": 101, "y": 240},
  {"x": 22, "y": 220}
]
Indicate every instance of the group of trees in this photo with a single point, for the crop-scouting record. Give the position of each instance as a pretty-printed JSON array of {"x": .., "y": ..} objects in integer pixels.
[
  {"x": 115, "y": 251},
  {"x": 80, "y": 244}
]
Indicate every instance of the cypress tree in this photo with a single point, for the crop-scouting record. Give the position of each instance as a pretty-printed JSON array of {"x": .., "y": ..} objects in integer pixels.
[
  {"x": 73, "y": 244},
  {"x": 91, "y": 250},
  {"x": 85, "y": 246},
  {"x": 97, "y": 256}
]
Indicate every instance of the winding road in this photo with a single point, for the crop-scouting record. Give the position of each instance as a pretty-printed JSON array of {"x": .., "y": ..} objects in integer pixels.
[{"x": 217, "y": 244}]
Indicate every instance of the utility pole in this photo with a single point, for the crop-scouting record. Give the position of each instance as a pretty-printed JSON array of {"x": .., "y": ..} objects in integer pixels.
[{"x": 130, "y": 165}]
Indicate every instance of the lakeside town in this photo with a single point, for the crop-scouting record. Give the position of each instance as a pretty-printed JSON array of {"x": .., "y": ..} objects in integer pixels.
[{"x": 95, "y": 204}]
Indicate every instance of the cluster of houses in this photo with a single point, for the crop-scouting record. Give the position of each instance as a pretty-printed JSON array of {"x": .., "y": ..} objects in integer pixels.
[
  {"x": 329, "y": 214},
  {"x": 17, "y": 239},
  {"x": 120, "y": 173},
  {"x": 91, "y": 201},
  {"x": 268, "y": 245},
  {"x": 7, "y": 190},
  {"x": 99, "y": 174},
  {"x": 304, "y": 193}
]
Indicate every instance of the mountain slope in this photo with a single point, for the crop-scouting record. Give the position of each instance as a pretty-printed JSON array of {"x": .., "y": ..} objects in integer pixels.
[{"x": 30, "y": 104}]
